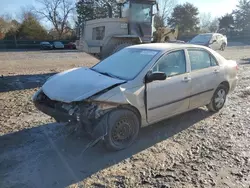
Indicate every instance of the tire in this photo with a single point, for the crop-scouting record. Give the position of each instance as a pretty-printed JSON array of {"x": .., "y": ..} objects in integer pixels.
[
  {"x": 113, "y": 46},
  {"x": 120, "y": 46},
  {"x": 223, "y": 47},
  {"x": 219, "y": 98},
  {"x": 123, "y": 128}
]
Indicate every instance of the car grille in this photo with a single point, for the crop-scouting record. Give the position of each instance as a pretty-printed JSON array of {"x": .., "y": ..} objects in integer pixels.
[{"x": 47, "y": 101}]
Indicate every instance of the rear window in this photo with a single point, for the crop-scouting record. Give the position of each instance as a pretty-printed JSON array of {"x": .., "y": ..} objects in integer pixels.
[
  {"x": 202, "y": 38},
  {"x": 45, "y": 43},
  {"x": 57, "y": 43}
]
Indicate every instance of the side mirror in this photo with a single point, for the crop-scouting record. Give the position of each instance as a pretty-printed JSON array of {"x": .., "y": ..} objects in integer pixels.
[
  {"x": 150, "y": 77},
  {"x": 214, "y": 41}
]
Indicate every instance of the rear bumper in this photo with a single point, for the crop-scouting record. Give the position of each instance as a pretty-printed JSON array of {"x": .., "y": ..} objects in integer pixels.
[{"x": 233, "y": 85}]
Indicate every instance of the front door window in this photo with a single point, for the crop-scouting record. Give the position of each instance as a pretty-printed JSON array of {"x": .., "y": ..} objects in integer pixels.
[{"x": 172, "y": 64}]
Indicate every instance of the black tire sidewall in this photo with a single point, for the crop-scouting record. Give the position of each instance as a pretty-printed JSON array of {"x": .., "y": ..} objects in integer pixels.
[
  {"x": 115, "y": 116},
  {"x": 215, "y": 94},
  {"x": 121, "y": 46},
  {"x": 112, "y": 44}
]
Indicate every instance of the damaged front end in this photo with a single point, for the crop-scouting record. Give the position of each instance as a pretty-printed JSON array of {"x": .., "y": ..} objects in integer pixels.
[{"x": 87, "y": 113}]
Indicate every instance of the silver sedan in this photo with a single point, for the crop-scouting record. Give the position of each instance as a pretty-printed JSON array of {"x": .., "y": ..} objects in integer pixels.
[{"x": 136, "y": 87}]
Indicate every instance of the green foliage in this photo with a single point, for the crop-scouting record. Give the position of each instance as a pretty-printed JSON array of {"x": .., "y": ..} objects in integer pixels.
[
  {"x": 186, "y": 17},
  {"x": 31, "y": 29},
  {"x": 226, "y": 21},
  {"x": 95, "y": 10},
  {"x": 158, "y": 21},
  {"x": 242, "y": 15}
]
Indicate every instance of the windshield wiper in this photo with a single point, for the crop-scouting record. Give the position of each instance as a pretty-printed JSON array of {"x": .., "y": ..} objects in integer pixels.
[
  {"x": 110, "y": 75},
  {"x": 107, "y": 74}
]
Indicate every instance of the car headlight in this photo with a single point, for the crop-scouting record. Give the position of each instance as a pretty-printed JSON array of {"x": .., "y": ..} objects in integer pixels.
[{"x": 34, "y": 97}]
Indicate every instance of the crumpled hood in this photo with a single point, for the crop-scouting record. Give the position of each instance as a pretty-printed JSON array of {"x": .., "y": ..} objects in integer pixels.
[{"x": 77, "y": 84}]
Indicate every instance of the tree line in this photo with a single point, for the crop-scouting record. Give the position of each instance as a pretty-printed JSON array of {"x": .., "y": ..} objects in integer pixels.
[
  {"x": 189, "y": 20},
  {"x": 65, "y": 16}
]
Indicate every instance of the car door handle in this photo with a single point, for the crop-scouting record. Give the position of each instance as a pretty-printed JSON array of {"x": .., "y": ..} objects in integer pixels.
[
  {"x": 186, "y": 79},
  {"x": 216, "y": 71}
]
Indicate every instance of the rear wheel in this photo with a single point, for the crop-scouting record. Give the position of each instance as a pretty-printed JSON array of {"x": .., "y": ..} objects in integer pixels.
[
  {"x": 219, "y": 98},
  {"x": 113, "y": 46},
  {"x": 122, "y": 45},
  {"x": 123, "y": 128}
]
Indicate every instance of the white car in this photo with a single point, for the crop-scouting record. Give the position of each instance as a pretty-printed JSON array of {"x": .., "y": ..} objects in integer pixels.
[
  {"x": 136, "y": 87},
  {"x": 215, "y": 41},
  {"x": 58, "y": 45}
]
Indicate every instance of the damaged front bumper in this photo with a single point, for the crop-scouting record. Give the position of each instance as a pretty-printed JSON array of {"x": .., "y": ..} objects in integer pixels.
[
  {"x": 86, "y": 113},
  {"x": 59, "y": 116}
]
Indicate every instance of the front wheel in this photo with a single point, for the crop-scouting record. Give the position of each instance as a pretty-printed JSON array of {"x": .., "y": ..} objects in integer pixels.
[
  {"x": 123, "y": 128},
  {"x": 223, "y": 47},
  {"x": 218, "y": 100}
]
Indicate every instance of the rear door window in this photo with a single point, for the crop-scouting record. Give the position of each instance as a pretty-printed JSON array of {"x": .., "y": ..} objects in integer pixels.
[{"x": 201, "y": 59}]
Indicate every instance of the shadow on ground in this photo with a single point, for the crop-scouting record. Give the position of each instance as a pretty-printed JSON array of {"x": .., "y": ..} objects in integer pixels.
[
  {"x": 39, "y": 50},
  {"x": 46, "y": 156},
  {"x": 245, "y": 61},
  {"x": 19, "y": 50},
  {"x": 61, "y": 51},
  {"x": 21, "y": 82}
]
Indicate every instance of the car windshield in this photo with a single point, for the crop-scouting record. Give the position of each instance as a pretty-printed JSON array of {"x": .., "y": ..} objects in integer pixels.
[
  {"x": 201, "y": 38},
  {"x": 45, "y": 43},
  {"x": 125, "y": 64}
]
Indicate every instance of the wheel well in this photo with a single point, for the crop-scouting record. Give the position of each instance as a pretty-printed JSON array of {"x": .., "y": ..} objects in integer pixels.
[
  {"x": 225, "y": 83},
  {"x": 133, "y": 109}
]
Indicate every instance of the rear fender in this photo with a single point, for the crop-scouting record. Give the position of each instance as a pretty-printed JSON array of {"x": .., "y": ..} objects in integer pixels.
[{"x": 231, "y": 70}]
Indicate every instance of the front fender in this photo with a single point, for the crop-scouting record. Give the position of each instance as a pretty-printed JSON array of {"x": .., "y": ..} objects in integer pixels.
[{"x": 120, "y": 95}]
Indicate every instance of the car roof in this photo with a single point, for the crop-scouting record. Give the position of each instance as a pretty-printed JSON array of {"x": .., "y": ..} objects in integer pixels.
[
  {"x": 210, "y": 34},
  {"x": 165, "y": 46},
  {"x": 206, "y": 33}
]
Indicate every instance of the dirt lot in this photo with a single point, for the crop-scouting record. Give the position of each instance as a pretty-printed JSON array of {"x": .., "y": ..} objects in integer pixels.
[{"x": 196, "y": 149}]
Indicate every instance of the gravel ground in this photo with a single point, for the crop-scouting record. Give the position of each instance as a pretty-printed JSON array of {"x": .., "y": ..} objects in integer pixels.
[{"x": 196, "y": 149}]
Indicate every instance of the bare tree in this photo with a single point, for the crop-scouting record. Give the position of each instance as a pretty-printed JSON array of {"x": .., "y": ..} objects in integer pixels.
[
  {"x": 214, "y": 26},
  {"x": 3, "y": 27},
  {"x": 5, "y": 23},
  {"x": 205, "y": 21},
  {"x": 208, "y": 23},
  {"x": 57, "y": 12},
  {"x": 25, "y": 12},
  {"x": 165, "y": 9}
]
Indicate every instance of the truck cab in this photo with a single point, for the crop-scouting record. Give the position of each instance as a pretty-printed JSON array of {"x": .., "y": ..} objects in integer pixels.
[{"x": 108, "y": 35}]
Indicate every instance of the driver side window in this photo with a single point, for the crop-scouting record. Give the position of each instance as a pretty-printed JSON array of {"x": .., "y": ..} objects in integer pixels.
[{"x": 172, "y": 64}]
